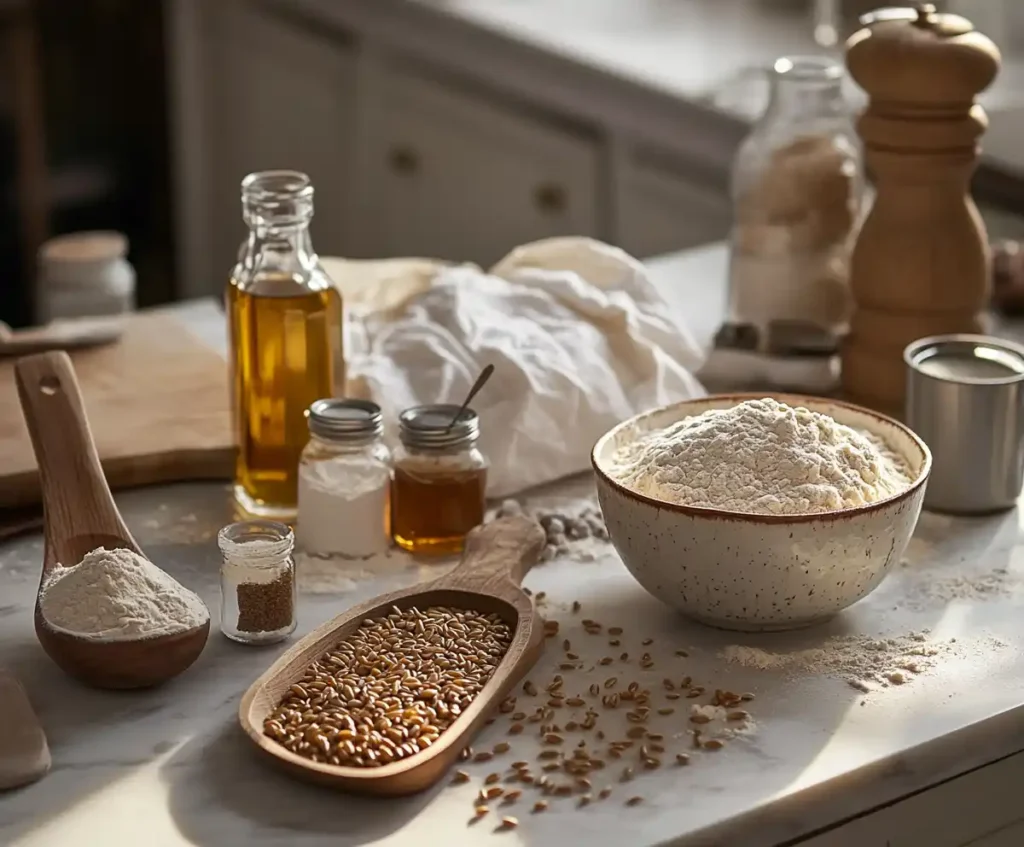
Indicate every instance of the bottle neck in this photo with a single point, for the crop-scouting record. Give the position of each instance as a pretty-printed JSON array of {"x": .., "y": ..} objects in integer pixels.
[
  {"x": 277, "y": 206},
  {"x": 275, "y": 248},
  {"x": 805, "y": 99}
]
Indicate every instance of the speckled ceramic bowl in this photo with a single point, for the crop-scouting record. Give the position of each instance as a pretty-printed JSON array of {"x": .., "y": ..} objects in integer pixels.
[{"x": 760, "y": 572}]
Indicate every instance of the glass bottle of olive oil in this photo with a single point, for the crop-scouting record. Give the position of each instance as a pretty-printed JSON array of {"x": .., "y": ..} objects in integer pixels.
[{"x": 286, "y": 340}]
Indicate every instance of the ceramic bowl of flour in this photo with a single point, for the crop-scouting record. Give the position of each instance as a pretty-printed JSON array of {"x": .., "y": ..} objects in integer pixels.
[{"x": 770, "y": 563}]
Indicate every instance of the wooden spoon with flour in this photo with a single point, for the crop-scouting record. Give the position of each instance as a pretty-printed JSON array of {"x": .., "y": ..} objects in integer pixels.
[{"x": 80, "y": 516}]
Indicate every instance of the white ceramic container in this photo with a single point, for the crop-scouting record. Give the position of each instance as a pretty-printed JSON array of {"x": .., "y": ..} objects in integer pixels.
[
  {"x": 85, "y": 274},
  {"x": 760, "y": 572}
]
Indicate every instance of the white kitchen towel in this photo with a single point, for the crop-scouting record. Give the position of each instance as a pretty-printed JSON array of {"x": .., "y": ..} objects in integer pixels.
[{"x": 578, "y": 336}]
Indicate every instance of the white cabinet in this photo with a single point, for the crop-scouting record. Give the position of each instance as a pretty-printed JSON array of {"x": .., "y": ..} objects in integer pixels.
[
  {"x": 1010, "y": 836},
  {"x": 978, "y": 809},
  {"x": 407, "y": 157},
  {"x": 279, "y": 94},
  {"x": 663, "y": 209},
  {"x": 454, "y": 175}
]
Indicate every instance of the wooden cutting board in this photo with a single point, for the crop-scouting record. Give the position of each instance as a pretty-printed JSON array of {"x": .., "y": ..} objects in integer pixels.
[{"x": 158, "y": 404}]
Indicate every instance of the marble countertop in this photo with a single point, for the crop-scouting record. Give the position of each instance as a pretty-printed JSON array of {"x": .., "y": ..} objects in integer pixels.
[{"x": 170, "y": 767}]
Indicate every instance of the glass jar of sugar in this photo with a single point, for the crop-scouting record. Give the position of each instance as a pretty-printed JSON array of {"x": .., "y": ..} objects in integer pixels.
[
  {"x": 344, "y": 481},
  {"x": 257, "y": 582},
  {"x": 440, "y": 487}
]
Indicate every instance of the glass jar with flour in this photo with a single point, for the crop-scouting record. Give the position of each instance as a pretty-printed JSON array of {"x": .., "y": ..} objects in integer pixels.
[
  {"x": 344, "y": 481},
  {"x": 796, "y": 192}
]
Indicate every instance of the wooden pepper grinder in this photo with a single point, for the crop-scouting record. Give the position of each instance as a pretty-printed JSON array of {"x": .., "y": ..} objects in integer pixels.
[{"x": 920, "y": 265}]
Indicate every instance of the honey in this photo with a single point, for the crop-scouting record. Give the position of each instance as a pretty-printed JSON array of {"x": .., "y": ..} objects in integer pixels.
[
  {"x": 432, "y": 512},
  {"x": 439, "y": 488},
  {"x": 282, "y": 336},
  {"x": 285, "y": 322}
]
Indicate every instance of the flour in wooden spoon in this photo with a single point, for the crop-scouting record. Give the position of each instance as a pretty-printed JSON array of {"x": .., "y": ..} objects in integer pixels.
[
  {"x": 117, "y": 595},
  {"x": 761, "y": 457}
]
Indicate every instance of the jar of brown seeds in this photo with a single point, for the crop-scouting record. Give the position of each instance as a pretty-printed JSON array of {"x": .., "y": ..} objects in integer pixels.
[{"x": 257, "y": 582}]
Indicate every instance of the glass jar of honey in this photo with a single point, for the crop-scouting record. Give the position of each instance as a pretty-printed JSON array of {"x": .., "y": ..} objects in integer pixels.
[{"x": 439, "y": 487}]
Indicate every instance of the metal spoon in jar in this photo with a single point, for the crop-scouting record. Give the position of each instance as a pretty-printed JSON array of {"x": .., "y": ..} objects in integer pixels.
[{"x": 481, "y": 380}]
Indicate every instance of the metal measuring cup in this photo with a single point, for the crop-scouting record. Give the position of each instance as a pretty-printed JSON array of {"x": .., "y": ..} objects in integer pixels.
[{"x": 965, "y": 398}]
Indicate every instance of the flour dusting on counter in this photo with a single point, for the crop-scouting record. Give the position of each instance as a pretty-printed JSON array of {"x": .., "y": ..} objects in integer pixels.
[
  {"x": 721, "y": 722},
  {"x": 864, "y": 662},
  {"x": 935, "y": 591},
  {"x": 342, "y": 575}
]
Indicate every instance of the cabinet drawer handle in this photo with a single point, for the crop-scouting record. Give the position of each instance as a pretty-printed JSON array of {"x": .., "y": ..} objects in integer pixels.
[
  {"x": 551, "y": 198},
  {"x": 404, "y": 160}
]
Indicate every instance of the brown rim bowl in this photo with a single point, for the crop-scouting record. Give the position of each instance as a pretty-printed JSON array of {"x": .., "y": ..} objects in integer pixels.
[{"x": 754, "y": 572}]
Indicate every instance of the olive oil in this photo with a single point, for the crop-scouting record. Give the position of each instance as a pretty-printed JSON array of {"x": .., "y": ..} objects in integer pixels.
[
  {"x": 285, "y": 320},
  {"x": 283, "y": 338}
]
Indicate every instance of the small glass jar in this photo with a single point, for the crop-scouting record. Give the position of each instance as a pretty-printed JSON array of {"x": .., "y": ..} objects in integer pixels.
[
  {"x": 257, "y": 582},
  {"x": 85, "y": 274},
  {"x": 440, "y": 480},
  {"x": 344, "y": 481},
  {"x": 796, "y": 192}
]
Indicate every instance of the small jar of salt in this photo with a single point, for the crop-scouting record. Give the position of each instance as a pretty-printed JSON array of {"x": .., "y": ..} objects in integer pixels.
[
  {"x": 257, "y": 582},
  {"x": 344, "y": 481}
]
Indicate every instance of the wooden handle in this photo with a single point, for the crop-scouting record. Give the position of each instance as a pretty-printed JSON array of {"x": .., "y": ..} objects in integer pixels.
[
  {"x": 497, "y": 553},
  {"x": 76, "y": 498},
  {"x": 64, "y": 335}
]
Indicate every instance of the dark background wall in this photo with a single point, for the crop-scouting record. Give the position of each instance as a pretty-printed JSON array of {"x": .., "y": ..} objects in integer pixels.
[{"x": 84, "y": 103}]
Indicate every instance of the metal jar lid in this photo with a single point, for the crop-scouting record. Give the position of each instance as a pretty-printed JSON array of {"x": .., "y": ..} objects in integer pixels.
[
  {"x": 427, "y": 427},
  {"x": 967, "y": 359},
  {"x": 345, "y": 420}
]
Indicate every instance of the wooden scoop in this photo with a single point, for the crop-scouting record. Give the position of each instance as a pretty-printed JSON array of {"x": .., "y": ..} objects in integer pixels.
[
  {"x": 79, "y": 516},
  {"x": 497, "y": 557}
]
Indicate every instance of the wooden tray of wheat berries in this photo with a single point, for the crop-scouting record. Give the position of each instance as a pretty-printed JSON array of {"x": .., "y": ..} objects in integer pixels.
[{"x": 427, "y": 665}]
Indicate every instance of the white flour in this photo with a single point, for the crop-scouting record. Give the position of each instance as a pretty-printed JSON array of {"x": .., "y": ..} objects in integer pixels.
[
  {"x": 117, "y": 595},
  {"x": 716, "y": 724},
  {"x": 930, "y": 591},
  {"x": 864, "y": 662},
  {"x": 761, "y": 457},
  {"x": 343, "y": 507},
  {"x": 337, "y": 575}
]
